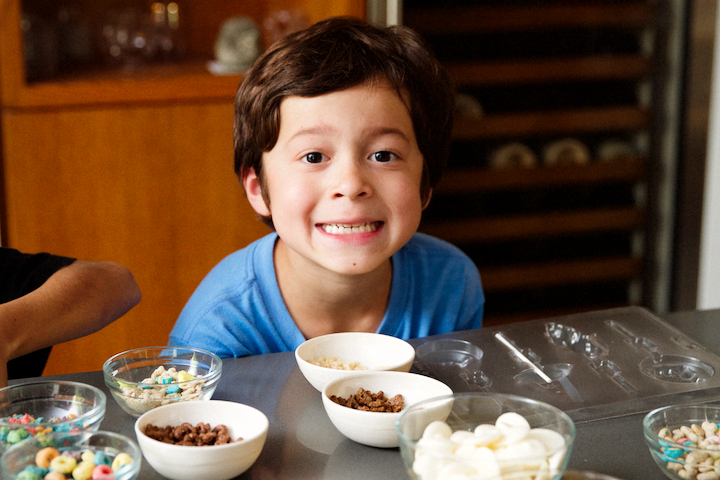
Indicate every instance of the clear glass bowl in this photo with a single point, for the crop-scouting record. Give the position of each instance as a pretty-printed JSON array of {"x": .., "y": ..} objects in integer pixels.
[
  {"x": 23, "y": 454},
  {"x": 54, "y": 406},
  {"x": 124, "y": 374},
  {"x": 464, "y": 412},
  {"x": 672, "y": 457}
]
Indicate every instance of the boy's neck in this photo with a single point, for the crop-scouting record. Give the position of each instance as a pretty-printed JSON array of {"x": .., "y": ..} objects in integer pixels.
[{"x": 320, "y": 305}]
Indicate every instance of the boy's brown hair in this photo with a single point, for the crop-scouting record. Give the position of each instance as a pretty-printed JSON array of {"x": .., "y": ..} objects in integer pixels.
[{"x": 333, "y": 55}]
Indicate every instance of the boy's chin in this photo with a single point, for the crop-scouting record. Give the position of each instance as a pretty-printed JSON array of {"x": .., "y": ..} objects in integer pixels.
[{"x": 351, "y": 267}]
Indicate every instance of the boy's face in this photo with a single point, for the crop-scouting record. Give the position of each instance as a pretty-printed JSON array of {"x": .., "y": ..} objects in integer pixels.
[{"x": 343, "y": 179}]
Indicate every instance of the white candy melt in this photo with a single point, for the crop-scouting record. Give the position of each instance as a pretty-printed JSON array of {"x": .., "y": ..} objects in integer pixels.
[
  {"x": 485, "y": 462},
  {"x": 513, "y": 426},
  {"x": 557, "y": 459},
  {"x": 462, "y": 436},
  {"x": 509, "y": 449},
  {"x": 438, "y": 429},
  {"x": 437, "y": 444},
  {"x": 551, "y": 439},
  {"x": 526, "y": 449},
  {"x": 427, "y": 467},
  {"x": 511, "y": 420},
  {"x": 456, "y": 469},
  {"x": 529, "y": 454},
  {"x": 487, "y": 435}
]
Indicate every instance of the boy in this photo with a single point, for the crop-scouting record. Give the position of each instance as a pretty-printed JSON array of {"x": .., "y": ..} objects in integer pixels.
[{"x": 341, "y": 131}]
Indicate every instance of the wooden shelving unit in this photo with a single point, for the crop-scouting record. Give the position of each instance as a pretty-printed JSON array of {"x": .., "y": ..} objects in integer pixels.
[
  {"x": 133, "y": 166},
  {"x": 550, "y": 239},
  {"x": 187, "y": 79}
]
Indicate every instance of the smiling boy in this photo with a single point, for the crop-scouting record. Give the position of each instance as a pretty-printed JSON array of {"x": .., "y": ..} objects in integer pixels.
[{"x": 341, "y": 131}]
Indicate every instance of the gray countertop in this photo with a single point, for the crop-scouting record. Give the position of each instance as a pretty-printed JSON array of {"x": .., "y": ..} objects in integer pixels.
[{"x": 303, "y": 444}]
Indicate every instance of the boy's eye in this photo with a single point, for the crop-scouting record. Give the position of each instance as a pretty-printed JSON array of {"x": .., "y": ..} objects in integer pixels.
[
  {"x": 383, "y": 156},
  {"x": 314, "y": 157}
]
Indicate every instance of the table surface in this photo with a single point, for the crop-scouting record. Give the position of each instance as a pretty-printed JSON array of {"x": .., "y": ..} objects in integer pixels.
[{"x": 303, "y": 444}]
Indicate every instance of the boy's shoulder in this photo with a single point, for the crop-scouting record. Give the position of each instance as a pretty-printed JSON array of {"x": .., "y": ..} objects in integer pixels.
[
  {"x": 422, "y": 243},
  {"x": 425, "y": 253},
  {"x": 246, "y": 263}
]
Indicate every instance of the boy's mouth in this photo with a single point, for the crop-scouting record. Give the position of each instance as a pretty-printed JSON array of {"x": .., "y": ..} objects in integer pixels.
[{"x": 347, "y": 228}]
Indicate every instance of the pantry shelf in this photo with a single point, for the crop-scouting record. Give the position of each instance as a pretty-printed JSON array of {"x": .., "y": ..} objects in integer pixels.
[
  {"x": 561, "y": 273},
  {"x": 564, "y": 233},
  {"x": 535, "y": 226},
  {"x": 465, "y": 180},
  {"x": 472, "y": 19},
  {"x": 554, "y": 122},
  {"x": 600, "y": 67}
]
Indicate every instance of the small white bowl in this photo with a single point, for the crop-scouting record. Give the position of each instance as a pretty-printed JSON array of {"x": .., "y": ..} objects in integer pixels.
[
  {"x": 372, "y": 350},
  {"x": 377, "y": 429},
  {"x": 217, "y": 462}
]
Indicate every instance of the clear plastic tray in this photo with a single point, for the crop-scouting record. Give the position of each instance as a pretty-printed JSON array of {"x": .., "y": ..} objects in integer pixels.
[{"x": 601, "y": 364}]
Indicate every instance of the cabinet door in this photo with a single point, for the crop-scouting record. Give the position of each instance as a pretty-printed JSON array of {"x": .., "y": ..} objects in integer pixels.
[{"x": 151, "y": 187}]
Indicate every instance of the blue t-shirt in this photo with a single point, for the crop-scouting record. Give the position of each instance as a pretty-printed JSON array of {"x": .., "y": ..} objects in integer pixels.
[{"x": 238, "y": 310}]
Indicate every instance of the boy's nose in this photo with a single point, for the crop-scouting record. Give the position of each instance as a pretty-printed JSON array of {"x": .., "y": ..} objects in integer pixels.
[{"x": 351, "y": 180}]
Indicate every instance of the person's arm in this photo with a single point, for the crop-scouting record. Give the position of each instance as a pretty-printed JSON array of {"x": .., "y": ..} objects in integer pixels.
[{"x": 75, "y": 301}]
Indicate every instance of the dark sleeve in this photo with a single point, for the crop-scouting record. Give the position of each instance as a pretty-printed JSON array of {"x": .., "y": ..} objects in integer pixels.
[{"x": 20, "y": 274}]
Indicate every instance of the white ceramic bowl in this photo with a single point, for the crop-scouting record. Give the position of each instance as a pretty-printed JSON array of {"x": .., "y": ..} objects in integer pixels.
[
  {"x": 372, "y": 350},
  {"x": 377, "y": 429},
  {"x": 217, "y": 462}
]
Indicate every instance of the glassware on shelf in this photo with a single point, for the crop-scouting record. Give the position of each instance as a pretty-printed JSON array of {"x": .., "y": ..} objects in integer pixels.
[
  {"x": 128, "y": 39},
  {"x": 132, "y": 37},
  {"x": 166, "y": 26}
]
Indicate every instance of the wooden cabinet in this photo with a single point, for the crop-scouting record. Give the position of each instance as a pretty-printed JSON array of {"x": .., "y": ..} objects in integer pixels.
[
  {"x": 134, "y": 167},
  {"x": 556, "y": 237}
]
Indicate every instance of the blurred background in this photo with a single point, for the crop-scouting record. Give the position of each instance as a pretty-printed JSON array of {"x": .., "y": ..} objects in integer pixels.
[{"x": 582, "y": 175}]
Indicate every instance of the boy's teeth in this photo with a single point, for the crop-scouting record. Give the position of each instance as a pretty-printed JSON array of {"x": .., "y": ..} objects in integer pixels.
[{"x": 342, "y": 228}]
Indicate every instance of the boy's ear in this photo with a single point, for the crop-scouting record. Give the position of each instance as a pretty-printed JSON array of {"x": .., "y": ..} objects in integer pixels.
[
  {"x": 253, "y": 190},
  {"x": 427, "y": 200}
]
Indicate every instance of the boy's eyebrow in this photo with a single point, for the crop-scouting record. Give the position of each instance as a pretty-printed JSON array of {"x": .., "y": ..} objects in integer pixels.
[
  {"x": 315, "y": 130},
  {"x": 389, "y": 131},
  {"x": 327, "y": 129}
]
